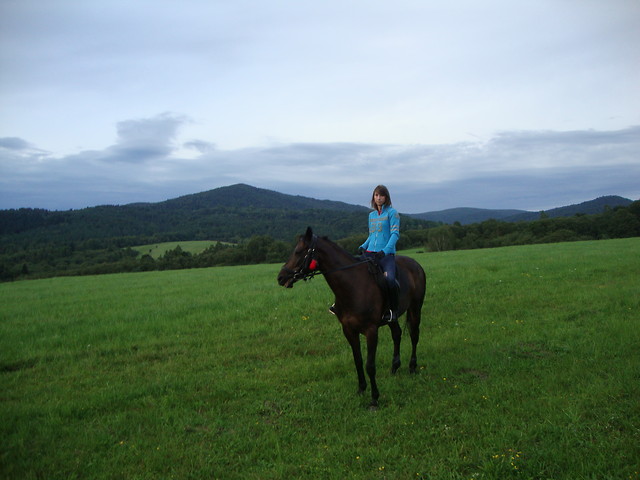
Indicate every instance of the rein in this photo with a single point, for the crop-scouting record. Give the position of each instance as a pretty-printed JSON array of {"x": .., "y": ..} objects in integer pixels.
[
  {"x": 312, "y": 273},
  {"x": 305, "y": 273}
]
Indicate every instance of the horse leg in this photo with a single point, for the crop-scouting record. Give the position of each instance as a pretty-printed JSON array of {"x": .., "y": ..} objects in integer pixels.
[
  {"x": 354, "y": 341},
  {"x": 372, "y": 346},
  {"x": 413, "y": 317},
  {"x": 396, "y": 334}
]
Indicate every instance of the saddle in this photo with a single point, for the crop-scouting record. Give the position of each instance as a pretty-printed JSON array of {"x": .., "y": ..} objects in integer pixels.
[{"x": 378, "y": 274}]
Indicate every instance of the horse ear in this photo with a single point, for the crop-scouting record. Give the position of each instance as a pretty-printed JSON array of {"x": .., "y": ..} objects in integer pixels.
[{"x": 309, "y": 234}]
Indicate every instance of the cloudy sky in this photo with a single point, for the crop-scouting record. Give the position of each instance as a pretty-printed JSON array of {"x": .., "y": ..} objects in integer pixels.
[{"x": 528, "y": 104}]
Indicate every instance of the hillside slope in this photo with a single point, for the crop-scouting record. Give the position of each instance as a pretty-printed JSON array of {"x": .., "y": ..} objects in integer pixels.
[
  {"x": 235, "y": 213},
  {"x": 466, "y": 215},
  {"x": 229, "y": 214},
  {"x": 476, "y": 215},
  {"x": 246, "y": 196},
  {"x": 591, "y": 207}
]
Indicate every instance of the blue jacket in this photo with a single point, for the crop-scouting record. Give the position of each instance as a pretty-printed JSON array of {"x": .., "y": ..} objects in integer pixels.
[{"x": 384, "y": 231}]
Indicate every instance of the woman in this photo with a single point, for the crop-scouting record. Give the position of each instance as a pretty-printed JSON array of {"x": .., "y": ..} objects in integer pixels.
[{"x": 384, "y": 232}]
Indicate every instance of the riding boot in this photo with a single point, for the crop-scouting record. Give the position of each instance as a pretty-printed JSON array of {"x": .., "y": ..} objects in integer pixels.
[{"x": 393, "y": 292}]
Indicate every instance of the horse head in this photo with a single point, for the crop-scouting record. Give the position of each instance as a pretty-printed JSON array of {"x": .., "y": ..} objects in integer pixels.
[{"x": 302, "y": 261}]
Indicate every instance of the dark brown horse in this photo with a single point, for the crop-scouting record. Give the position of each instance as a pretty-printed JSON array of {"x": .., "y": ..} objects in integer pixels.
[{"x": 360, "y": 303}]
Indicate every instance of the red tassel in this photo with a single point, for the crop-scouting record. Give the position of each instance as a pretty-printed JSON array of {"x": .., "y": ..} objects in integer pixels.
[{"x": 313, "y": 264}]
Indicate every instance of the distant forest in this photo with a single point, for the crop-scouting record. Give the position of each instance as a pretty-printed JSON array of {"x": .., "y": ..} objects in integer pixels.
[{"x": 39, "y": 243}]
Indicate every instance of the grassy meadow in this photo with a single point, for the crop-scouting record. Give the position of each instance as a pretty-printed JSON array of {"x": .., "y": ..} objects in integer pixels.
[
  {"x": 156, "y": 250},
  {"x": 529, "y": 367}
]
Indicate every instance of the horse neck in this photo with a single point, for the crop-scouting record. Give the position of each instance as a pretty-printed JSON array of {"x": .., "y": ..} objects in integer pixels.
[
  {"x": 336, "y": 262},
  {"x": 331, "y": 256}
]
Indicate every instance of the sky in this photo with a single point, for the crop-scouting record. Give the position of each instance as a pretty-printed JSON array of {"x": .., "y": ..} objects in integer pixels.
[{"x": 529, "y": 104}]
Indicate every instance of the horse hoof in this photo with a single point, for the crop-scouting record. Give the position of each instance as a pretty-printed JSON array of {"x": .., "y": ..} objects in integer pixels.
[
  {"x": 395, "y": 364},
  {"x": 373, "y": 406}
]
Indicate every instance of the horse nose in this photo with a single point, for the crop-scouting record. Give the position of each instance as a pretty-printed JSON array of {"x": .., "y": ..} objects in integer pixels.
[{"x": 284, "y": 279}]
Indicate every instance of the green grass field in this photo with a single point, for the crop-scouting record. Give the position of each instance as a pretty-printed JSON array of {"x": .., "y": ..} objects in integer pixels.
[
  {"x": 156, "y": 250},
  {"x": 529, "y": 367}
]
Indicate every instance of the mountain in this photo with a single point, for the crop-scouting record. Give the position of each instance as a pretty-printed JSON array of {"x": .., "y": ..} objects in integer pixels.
[
  {"x": 476, "y": 215},
  {"x": 231, "y": 214},
  {"x": 246, "y": 196},
  {"x": 466, "y": 215},
  {"x": 37, "y": 243},
  {"x": 590, "y": 207}
]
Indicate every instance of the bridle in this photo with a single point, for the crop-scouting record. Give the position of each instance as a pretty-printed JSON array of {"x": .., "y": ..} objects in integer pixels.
[{"x": 305, "y": 270}]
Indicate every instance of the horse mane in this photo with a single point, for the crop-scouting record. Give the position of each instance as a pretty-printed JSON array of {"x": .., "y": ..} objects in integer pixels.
[{"x": 338, "y": 247}]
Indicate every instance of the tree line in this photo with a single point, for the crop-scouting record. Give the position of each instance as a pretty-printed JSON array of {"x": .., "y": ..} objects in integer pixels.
[{"x": 114, "y": 255}]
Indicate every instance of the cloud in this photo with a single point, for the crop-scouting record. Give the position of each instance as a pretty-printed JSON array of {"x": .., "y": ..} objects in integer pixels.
[
  {"x": 18, "y": 156},
  {"x": 527, "y": 170},
  {"x": 13, "y": 143},
  {"x": 200, "y": 146},
  {"x": 145, "y": 139},
  {"x": 530, "y": 170},
  {"x": 426, "y": 72},
  {"x": 532, "y": 190}
]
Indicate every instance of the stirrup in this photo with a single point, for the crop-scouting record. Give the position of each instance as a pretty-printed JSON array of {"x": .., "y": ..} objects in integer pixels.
[{"x": 390, "y": 316}]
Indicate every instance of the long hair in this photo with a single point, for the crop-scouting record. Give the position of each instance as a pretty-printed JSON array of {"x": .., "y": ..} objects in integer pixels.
[{"x": 382, "y": 190}]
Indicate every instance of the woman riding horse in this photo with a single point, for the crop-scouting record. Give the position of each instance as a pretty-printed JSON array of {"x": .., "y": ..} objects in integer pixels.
[
  {"x": 359, "y": 303},
  {"x": 384, "y": 232}
]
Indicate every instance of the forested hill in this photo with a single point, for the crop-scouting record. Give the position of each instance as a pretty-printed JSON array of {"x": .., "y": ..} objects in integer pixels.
[
  {"x": 259, "y": 226},
  {"x": 229, "y": 214},
  {"x": 599, "y": 205},
  {"x": 236, "y": 213},
  {"x": 246, "y": 196},
  {"x": 467, "y": 216}
]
